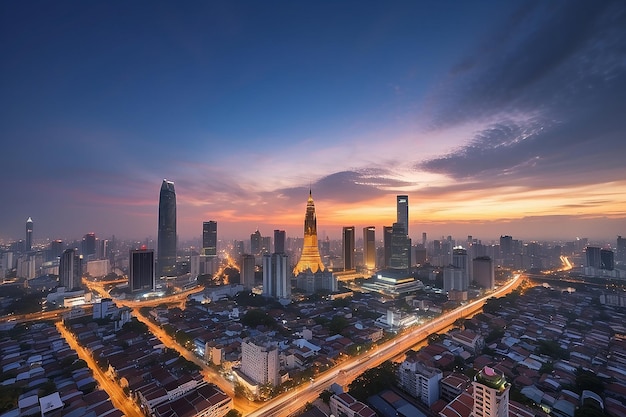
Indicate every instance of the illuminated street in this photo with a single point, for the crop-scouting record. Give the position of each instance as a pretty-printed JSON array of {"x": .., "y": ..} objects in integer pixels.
[
  {"x": 292, "y": 401},
  {"x": 118, "y": 398}
]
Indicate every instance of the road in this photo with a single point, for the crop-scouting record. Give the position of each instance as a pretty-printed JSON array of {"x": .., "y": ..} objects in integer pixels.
[
  {"x": 292, "y": 401},
  {"x": 209, "y": 373},
  {"x": 118, "y": 398}
]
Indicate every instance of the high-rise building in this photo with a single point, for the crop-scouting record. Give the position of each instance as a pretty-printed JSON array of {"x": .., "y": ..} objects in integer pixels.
[
  {"x": 491, "y": 394},
  {"x": 166, "y": 250},
  {"x": 209, "y": 238},
  {"x": 400, "y": 248},
  {"x": 621, "y": 250},
  {"x": 70, "y": 269},
  {"x": 276, "y": 276},
  {"x": 484, "y": 273},
  {"x": 402, "y": 205},
  {"x": 506, "y": 246},
  {"x": 461, "y": 261},
  {"x": 88, "y": 245},
  {"x": 260, "y": 361},
  {"x": 592, "y": 254},
  {"x": 255, "y": 243},
  {"x": 246, "y": 271},
  {"x": 56, "y": 249},
  {"x": 348, "y": 248},
  {"x": 310, "y": 257},
  {"x": 279, "y": 241},
  {"x": 369, "y": 247},
  {"x": 141, "y": 270},
  {"x": 607, "y": 259},
  {"x": 420, "y": 380},
  {"x": 424, "y": 239},
  {"x": 29, "y": 235},
  {"x": 387, "y": 233}
]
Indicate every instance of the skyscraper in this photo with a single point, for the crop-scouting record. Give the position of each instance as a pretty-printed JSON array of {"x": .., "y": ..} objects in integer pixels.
[
  {"x": 400, "y": 245},
  {"x": 70, "y": 269},
  {"x": 592, "y": 254},
  {"x": 29, "y": 235},
  {"x": 88, "y": 245},
  {"x": 279, "y": 241},
  {"x": 167, "y": 229},
  {"x": 348, "y": 248},
  {"x": 387, "y": 233},
  {"x": 484, "y": 273},
  {"x": 402, "y": 206},
  {"x": 460, "y": 260},
  {"x": 209, "y": 238},
  {"x": 310, "y": 258},
  {"x": 621, "y": 250},
  {"x": 369, "y": 247},
  {"x": 141, "y": 270},
  {"x": 246, "y": 271},
  {"x": 255, "y": 243}
]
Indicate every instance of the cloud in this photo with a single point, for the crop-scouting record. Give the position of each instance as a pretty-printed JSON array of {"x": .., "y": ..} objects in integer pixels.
[{"x": 549, "y": 93}]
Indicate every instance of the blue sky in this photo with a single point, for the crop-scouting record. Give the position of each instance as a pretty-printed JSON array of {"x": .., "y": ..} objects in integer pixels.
[{"x": 494, "y": 117}]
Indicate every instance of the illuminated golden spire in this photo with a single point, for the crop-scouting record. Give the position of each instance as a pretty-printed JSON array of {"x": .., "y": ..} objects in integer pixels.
[{"x": 310, "y": 258}]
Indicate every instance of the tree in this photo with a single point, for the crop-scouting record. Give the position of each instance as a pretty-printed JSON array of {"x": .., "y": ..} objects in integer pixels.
[
  {"x": 325, "y": 396},
  {"x": 254, "y": 318},
  {"x": 373, "y": 381},
  {"x": 233, "y": 413},
  {"x": 337, "y": 324}
]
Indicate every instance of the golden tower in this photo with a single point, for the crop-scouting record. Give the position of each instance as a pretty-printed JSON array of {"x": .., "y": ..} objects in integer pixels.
[{"x": 310, "y": 258}]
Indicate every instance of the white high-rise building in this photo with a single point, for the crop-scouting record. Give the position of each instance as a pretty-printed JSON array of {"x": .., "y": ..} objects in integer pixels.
[
  {"x": 420, "y": 380},
  {"x": 276, "y": 276},
  {"x": 259, "y": 361},
  {"x": 491, "y": 394}
]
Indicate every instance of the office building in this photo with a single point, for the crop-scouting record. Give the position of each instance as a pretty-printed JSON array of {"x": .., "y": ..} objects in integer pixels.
[
  {"x": 141, "y": 270},
  {"x": 279, "y": 241},
  {"x": 166, "y": 245},
  {"x": 607, "y": 259},
  {"x": 56, "y": 249},
  {"x": 491, "y": 394},
  {"x": 88, "y": 246},
  {"x": 348, "y": 249},
  {"x": 387, "y": 233},
  {"x": 460, "y": 260},
  {"x": 369, "y": 247},
  {"x": 484, "y": 272},
  {"x": 29, "y": 235},
  {"x": 246, "y": 271},
  {"x": 592, "y": 255},
  {"x": 209, "y": 238},
  {"x": 276, "y": 276},
  {"x": 400, "y": 248},
  {"x": 310, "y": 257},
  {"x": 70, "y": 269},
  {"x": 260, "y": 361},
  {"x": 255, "y": 243},
  {"x": 621, "y": 250},
  {"x": 402, "y": 206}
]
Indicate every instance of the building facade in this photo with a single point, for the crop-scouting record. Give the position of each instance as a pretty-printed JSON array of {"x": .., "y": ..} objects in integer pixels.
[
  {"x": 166, "y": 250},
  {"x": 369, "y": 247},
  {"x": 260, "y": 361},
  {"x": 348, "y": 248},
  {"x": 209, "y": 238},
  {"x": 29, "y": 235},
  {"x": 141, "y": 270},
  {"x": 70, "y": 269},
  {"x": 276, "y": 276}
]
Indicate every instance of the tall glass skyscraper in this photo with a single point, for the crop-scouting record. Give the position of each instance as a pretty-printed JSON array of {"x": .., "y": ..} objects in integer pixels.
[
  {"x": 209, "y": 238},
  {"x": 29, "y": 234},
  {"x": 403, "y": 211},
  {"x": 167, "y": 229}
]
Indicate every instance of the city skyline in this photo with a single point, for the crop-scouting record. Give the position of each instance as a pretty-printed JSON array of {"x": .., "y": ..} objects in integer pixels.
[{"x": 494, "y": 118}]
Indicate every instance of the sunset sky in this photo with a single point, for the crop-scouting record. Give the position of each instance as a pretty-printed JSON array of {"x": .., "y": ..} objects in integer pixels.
[{"x": 495, "y": 117}]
